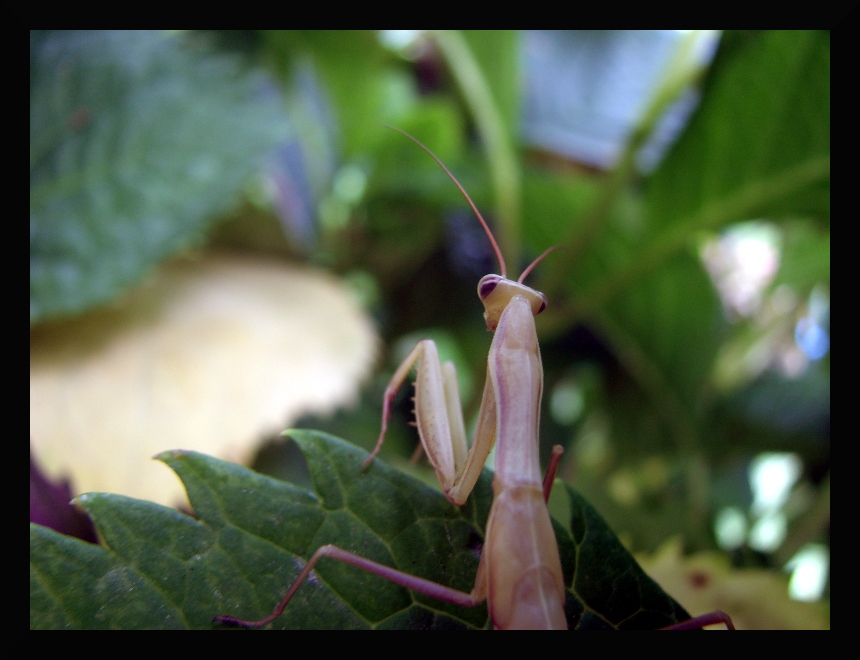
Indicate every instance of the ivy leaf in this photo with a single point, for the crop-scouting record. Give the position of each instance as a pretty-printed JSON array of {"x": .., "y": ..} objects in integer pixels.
[
  {"x": 163, "y": 569},
  {"x": 137, "y": 144}
]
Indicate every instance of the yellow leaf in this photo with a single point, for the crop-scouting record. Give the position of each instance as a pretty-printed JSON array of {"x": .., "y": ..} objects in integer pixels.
[
  {"x": 756, "y": 599},
  {"x": 211, "y": 354}
]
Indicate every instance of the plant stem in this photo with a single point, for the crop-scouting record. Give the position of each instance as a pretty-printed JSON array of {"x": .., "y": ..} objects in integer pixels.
[{"x": 501, "y": 157}]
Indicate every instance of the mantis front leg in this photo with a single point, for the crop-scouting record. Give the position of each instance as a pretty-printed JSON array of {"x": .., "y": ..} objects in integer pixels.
[{"x": 439, "y": 418}]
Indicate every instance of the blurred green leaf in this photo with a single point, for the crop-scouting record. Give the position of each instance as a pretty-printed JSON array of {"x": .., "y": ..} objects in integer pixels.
[
  {"x": 494, "y": 106},
  {"x": 498, "y": 55},
  {"x": 163, "y": 569},
  {"x": 350, "y": 62},
  {"x": 554, "y": 204},
  {"x": 805, "y": 257},
  {"x": 759, "y": 144},
  {"x": 137, "y": 143},
  {"x": 667, "y": 329}
]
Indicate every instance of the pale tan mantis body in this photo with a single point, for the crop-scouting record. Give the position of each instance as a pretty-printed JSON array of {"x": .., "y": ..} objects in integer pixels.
[{"x": 520, "y": 573}]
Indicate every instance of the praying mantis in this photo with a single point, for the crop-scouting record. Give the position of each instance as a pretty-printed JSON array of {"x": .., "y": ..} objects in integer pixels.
[{"x": 519, "y": 573}]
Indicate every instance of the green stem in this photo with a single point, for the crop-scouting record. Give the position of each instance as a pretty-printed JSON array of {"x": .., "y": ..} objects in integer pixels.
[{"x": 501, "y": 156}]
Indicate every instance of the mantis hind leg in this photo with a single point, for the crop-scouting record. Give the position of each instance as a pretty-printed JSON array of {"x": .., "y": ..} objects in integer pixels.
[
  {"x": 413, "y": 582},
  {"x": 551, "y": 469},
  {"x": 699, "y": 622}
]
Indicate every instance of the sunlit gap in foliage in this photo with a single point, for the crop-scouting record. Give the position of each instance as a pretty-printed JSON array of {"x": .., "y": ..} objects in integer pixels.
[
  {"x": 763, "y": 527},
  {"x": 743, "y": 262},
  {"x": 567, "y": 402},
  {"x": 809, "y": 569},
  {"x": 403, "y": 42},
  {"x": 730, "y": 528},
  {"x": 810, "y": 333},
  {"x": 772, "y": 477},
  {"x": 783, "y": 332}
]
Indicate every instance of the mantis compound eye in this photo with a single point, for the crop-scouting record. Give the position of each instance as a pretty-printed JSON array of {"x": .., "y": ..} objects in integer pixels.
[{"x": 487, "y": 285}]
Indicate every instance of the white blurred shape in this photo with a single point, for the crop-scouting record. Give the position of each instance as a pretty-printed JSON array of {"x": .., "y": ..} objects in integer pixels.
[
  {"x": 730, "y": 528},
  {"x": 809, "y": 569},
  {"x": 772, "y": 476},
  {"x": 768, "y": 532}
]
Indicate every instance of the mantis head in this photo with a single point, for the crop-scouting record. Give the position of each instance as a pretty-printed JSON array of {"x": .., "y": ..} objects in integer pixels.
[{"x": 496, "y": 292}]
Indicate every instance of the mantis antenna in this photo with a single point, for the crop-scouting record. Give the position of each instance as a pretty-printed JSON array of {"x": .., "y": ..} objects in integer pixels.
[{"x": 486, "y": 227}]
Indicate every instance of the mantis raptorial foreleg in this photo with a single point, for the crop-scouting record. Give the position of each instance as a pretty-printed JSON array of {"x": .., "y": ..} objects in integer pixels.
[{"x": 439, "y": 419}]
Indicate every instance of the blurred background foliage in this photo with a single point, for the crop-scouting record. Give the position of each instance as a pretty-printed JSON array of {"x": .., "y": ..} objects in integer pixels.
[{"x": 687, "y": 175}]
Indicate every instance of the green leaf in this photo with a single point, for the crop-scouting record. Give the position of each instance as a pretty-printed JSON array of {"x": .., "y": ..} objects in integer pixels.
[
  {"x": 498, "y": 53},
  {"x": 805, "y": 258},
  {"x": 136, "y": 145},
  {"x": 494, "y": 106},
  {"x": 667, "y": 328},
  {"x": 759, "y": 145},
  {"x": 351, "y": 66},
  {"x": 164, "y": 569}
]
